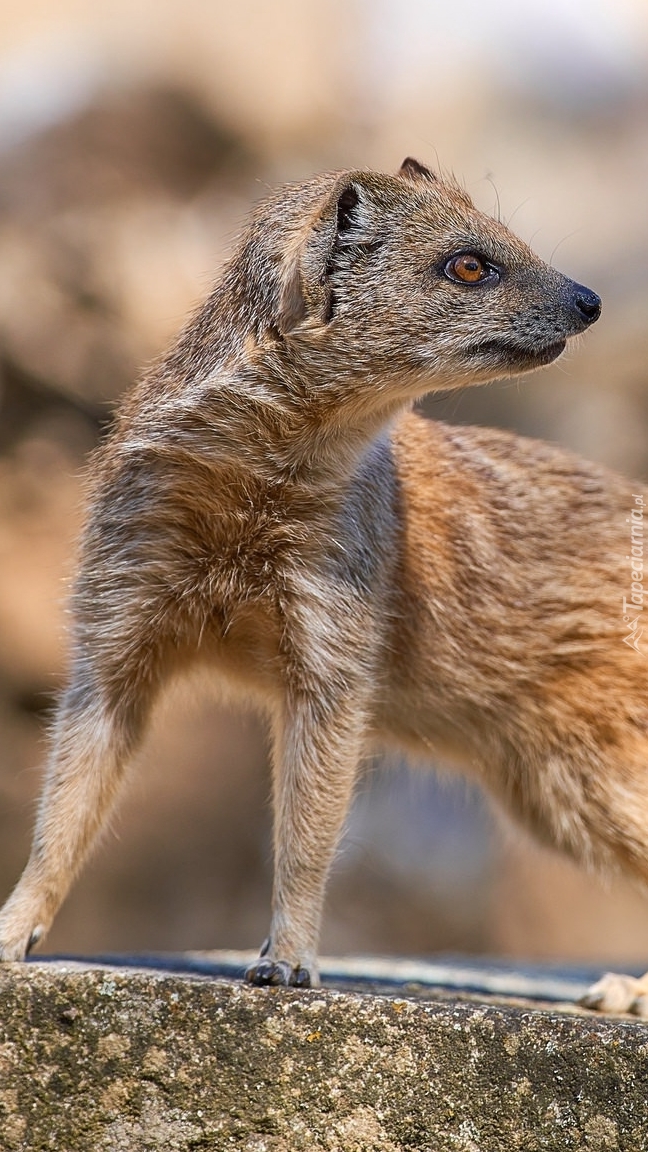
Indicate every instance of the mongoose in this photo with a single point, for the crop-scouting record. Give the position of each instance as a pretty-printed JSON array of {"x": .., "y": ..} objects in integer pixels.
[{"x": 269, "y": 508}]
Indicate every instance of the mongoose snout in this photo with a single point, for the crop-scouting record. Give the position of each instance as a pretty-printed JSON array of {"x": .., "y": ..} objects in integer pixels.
[
  {"x": 546, "y": 310},
  {"x": 586, "y": 304},
  {"x": 269, "y": 510}
]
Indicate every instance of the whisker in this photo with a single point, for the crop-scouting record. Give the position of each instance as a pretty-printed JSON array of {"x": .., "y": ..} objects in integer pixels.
[
  {"x": 515, "y": 210},
  {"x": 567, "y": 237},
  {"x": 493, "y": 185}
]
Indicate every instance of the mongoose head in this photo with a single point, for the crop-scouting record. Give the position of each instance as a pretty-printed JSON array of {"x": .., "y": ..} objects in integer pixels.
[{"x": 402, "y": 284}]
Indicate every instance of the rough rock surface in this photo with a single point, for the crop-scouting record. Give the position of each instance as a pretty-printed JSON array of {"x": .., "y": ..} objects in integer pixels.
[{"x": 101, "y": 1058}]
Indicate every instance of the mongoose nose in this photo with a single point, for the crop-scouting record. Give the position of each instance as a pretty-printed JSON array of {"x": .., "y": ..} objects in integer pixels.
[{"x": 587, "y": 304}]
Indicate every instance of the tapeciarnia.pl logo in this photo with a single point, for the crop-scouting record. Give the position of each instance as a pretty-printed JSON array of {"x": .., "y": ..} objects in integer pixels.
[{"x": 634, "y": 606}]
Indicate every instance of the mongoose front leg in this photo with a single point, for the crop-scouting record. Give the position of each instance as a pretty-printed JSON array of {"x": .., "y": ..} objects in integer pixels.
[
  {"x": 91, "y": 747},
  {"x": 318, "y": 745}
]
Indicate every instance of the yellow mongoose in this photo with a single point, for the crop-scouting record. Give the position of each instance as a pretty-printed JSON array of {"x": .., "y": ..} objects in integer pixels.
[{"x": 268, "y": 506}]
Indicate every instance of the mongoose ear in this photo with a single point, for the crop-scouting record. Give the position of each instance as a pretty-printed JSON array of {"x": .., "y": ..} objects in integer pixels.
[
  {"x": 410, "y": 169},
  {"x": 343, "y": 226},
  {"x": 292, "y": 302},
  {"x": 352, "y": 220}
]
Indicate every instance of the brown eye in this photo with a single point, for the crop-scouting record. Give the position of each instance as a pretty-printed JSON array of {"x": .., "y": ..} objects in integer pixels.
[{"x": 468, "y": 268}]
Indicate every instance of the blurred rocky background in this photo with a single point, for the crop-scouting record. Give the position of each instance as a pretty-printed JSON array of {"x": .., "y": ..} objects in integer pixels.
[{"x": 133, "y": 139}]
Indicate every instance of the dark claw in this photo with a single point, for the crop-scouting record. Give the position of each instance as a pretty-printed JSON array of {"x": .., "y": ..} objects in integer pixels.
[
  {"x": 269, "y": 972},
  {"x": 301, "y": 978},
  {"x": 33, "y": 940},
  {"x": 277, "y": 973}
]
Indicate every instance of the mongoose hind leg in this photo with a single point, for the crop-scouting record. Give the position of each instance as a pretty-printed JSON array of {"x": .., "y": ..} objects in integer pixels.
[
  {"x": 617, "y": 993},
  {"x": 601, "y": 821}
]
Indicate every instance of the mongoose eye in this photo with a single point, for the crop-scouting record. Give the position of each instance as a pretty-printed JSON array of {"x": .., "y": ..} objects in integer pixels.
[{"x": 468, "y": 268}]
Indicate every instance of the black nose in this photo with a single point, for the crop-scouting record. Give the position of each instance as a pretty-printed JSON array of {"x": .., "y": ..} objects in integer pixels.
[{"x": 587, "y": 304}]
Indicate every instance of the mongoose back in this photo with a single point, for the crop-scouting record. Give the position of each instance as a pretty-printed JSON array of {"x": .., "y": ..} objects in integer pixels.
[{"x": 268, "y": 507}]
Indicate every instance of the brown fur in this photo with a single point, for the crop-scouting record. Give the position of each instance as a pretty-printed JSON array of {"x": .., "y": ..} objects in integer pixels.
[{"x": 267, "y": 506}]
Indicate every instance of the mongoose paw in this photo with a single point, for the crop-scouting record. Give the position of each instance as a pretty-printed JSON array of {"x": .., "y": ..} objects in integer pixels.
[
  {"x": 17, "y": 946},
  {"x": 616, "y": 993},
  {"x": 277, "y": 973}
]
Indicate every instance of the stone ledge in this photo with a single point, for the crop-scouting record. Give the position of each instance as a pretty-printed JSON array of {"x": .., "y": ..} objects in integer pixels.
[{"x": 113, "y": 1058}]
